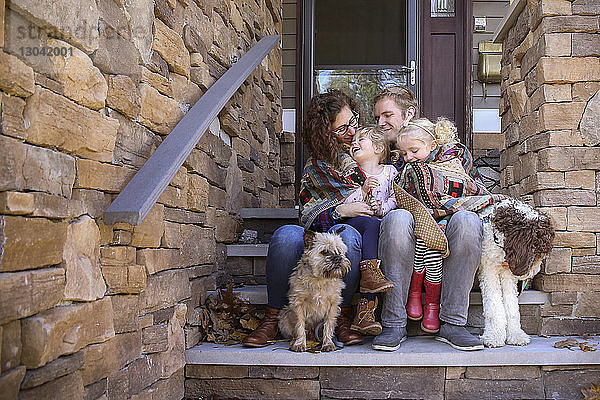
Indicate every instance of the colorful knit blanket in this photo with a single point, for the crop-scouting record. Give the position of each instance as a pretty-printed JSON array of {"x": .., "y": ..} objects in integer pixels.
[
  {"x": 446, "y": 182},
  {"x": 325, "y": 185}
]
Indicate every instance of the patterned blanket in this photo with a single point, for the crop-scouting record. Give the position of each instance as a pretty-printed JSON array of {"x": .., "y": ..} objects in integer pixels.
[
  {"x": 324, "y": 185},
  {"x": 446, "y": 182}
]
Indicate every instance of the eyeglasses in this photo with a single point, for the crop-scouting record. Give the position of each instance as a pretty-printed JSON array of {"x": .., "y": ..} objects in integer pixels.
[{"x": 343, "y": 129}]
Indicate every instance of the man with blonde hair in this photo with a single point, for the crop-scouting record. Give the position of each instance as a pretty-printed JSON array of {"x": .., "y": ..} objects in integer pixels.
[{"x": 394, "y": 108}]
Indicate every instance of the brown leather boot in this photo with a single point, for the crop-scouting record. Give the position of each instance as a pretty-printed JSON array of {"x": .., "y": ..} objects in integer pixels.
[
  {"x": 372, "y": 279},
  {"x": 342, "y": 329},
  {"x": 266, "y": 331},
  {"x": 364, "y": 320}
]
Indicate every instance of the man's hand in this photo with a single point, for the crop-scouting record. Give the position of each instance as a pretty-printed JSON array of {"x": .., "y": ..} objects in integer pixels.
[{"x": 355, "y": 209}]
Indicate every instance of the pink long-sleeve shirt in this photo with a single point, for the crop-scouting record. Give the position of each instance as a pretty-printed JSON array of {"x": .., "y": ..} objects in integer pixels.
[{"x": 384, "y": 193}]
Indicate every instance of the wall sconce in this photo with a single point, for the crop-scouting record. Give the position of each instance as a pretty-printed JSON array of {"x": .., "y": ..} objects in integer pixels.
[{"x": 489, "y": 64}]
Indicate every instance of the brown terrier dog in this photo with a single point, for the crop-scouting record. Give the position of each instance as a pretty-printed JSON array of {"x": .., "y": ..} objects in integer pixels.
[{"x": 315, "y": 289}]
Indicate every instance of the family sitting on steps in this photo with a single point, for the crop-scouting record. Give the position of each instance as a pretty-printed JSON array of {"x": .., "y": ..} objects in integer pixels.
[{"x": 409, "y": 216}]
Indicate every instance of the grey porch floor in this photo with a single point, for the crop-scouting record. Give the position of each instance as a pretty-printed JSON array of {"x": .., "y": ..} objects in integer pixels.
[{"x": 420, "y": 351}]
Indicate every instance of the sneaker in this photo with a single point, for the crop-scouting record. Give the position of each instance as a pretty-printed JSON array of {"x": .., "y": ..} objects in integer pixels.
[
  {"x": 372, "y": 279},
  {"x": 458, "y": 337},
  {"x": 364, "y": 321},
  {"x": 390, "y": 339}
]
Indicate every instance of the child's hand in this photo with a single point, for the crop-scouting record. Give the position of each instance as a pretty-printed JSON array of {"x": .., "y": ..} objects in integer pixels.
[
  {"x": 376, "y": 207},
  {"x": 369, "y": 184}
]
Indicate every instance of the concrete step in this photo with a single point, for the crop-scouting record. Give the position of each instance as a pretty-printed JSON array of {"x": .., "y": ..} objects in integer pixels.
[
  {"x": 257, "y": 294},
  {"x": 419, "y": 351}
]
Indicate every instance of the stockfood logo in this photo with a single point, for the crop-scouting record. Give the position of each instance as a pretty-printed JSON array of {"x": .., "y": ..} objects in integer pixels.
[
  {"x": 28, "y": 39},
  {"x": 31, "y": 39}
]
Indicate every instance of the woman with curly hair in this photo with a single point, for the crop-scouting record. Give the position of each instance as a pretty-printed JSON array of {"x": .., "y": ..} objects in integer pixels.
[{"x": 330, "y": 175}]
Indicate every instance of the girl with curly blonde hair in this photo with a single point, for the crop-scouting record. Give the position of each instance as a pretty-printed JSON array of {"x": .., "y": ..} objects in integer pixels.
[{"x": 440, "y": 174}]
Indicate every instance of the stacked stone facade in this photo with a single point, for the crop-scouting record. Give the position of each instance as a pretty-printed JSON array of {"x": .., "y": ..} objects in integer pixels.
[
  {"x": 94, "y": 311},
  {"x": 432, "y": 383},
  {"x": 550, "y": 111}
]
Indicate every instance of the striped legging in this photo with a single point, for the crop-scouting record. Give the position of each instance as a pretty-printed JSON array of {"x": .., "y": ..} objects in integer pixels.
[{"x": 428, "y": 260}]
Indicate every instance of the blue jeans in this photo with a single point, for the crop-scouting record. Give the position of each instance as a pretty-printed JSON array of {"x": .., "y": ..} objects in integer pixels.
[
  {"x": 285, "y": 249},
  {"x": 397, "y": 252}
]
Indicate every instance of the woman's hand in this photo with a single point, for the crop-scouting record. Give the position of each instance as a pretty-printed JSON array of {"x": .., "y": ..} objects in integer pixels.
[{"x": 354, "y": 209}]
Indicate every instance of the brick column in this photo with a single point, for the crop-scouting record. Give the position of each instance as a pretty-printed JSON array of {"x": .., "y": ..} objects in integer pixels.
[{"x": 550, "y": 109}]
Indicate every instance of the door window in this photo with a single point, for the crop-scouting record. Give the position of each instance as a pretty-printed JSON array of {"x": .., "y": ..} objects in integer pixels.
[
  {"x": 442, "y": 8},
  {"x": 360, "y": 47}
]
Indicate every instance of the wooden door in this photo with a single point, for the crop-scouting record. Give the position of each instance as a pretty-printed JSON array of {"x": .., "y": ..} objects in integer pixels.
[{"x": 445, "y": 62}]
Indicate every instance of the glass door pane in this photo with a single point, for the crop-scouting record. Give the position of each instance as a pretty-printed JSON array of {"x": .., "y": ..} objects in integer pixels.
[
  {"x": 361, "y": 46},
  {"x": 361, "y": 82},
  {"x": 360, "y": 32},
  {"x": 443, "y": 8}
]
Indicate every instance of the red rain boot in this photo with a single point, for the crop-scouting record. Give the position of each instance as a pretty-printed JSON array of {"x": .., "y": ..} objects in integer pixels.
[
  {"x": 414, "y": 309},
  {"x": 431, "y": 311}
]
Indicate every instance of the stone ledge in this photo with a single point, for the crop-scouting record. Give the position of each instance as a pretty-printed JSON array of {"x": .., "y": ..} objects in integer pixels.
[
  {"x": 420, "y": 351},
  {"x": 269, "y": 213},
  {"x": 258, "y": 295}
]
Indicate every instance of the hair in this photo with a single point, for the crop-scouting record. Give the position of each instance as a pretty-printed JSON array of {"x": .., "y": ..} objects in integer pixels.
[
  {"x": 377, "y": 137},
  {"x": 401, "y": 95},
  {"x": 443, "y": 131},
  {"x": 320, "y": 116},
  {"x": 525, "y": 239}
]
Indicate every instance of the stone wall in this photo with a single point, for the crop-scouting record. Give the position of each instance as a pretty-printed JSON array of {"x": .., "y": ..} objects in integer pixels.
[
  {"x": 94, "y": 311},
  {"x": 433, "y": 383},
  {"x": 550, "y": 112}
]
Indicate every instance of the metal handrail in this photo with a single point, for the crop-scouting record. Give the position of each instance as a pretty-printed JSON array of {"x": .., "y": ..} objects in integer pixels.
[{"x": 143, "y": 190}]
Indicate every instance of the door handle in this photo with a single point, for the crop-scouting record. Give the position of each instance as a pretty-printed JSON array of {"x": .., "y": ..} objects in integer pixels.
[{"x": 413, "y": 72}]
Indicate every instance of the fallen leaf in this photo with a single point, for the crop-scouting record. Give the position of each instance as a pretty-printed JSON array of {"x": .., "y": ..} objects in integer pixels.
[
  {"x": 238, "y": 335},
  {"x": 567, "y": 344},
  {"x": 250, "y": 324},
  {"x": 592, "y": 393},
  {"x": 585, "y": 347},
  {"x": 277, "y": 340},
  {"x": 227, "y": 319}
]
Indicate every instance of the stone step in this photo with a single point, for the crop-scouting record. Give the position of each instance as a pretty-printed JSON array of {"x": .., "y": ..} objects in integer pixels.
[
  {"x": 269, "y": 213},
  {"x": 265, "y": 221},
  {"x": 257, "y": 294},
  {"x": 247, "y": 250},
  {"x": 419, "y": 351}
]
